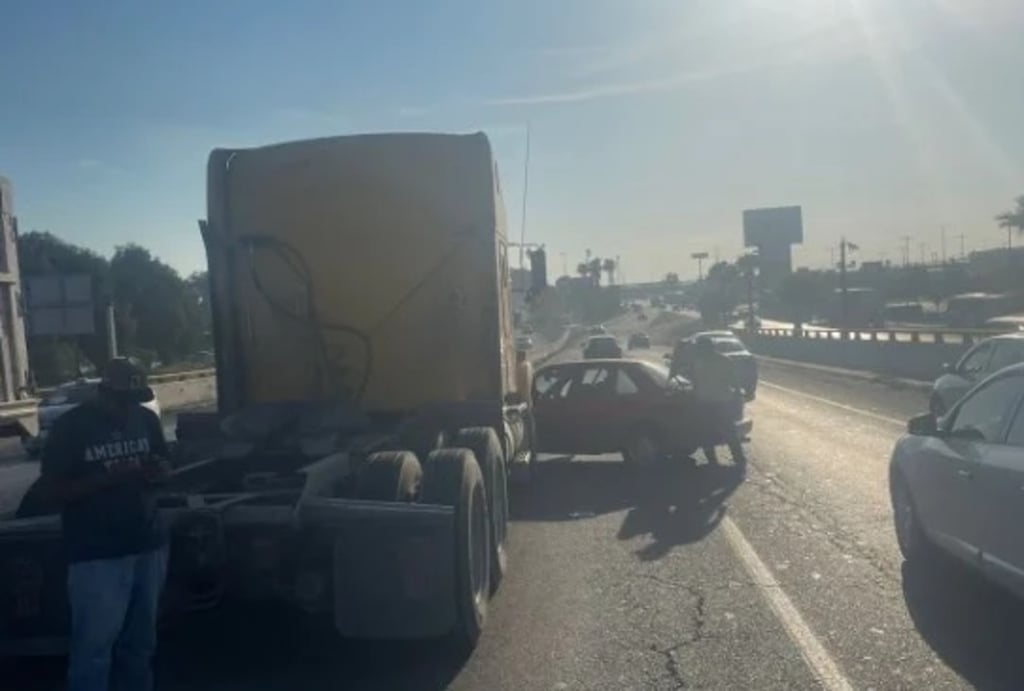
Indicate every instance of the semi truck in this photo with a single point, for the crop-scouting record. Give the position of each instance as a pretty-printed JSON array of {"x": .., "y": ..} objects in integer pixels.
[{"x": 368, "y": 421}]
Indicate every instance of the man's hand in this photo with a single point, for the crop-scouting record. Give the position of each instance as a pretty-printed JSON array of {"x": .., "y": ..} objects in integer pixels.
[{"x": 156, "y": 470}]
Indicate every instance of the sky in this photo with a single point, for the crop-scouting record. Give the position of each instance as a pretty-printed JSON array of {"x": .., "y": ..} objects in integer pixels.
[{"x": 653, "y": 124}]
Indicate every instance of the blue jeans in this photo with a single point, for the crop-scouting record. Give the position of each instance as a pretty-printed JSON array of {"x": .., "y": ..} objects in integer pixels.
[{"x": 114, "y": 606}]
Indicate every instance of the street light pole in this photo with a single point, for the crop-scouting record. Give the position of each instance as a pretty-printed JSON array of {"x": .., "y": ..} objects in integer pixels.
[{"x": 700, "y": 257}]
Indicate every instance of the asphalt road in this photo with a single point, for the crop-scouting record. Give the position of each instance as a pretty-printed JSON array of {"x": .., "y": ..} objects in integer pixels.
[{"x": 786, "y": 578}]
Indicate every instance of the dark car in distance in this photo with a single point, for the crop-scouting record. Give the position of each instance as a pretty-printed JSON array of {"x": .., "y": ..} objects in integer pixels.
[
  {"x": 631, "y": 407},
  {"x": 602, "y": 347},
  {"x": 638, "y": 340}
]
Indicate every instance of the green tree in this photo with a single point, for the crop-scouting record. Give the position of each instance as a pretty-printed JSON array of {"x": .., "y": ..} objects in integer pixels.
[
  {"x": 720, "y": 293},
  {"x": 161, "y": 311},
  {"x": 1013, "y": 219},
  {"x": 803, "y": 295}
]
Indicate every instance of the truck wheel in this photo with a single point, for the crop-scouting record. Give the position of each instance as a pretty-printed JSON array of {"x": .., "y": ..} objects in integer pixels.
[
  {"x": 421, "y": 435},
  {"x": 389, "y": 476},
  {"x": 452, "y": 477},
  {"x": 484, "y": 444}
]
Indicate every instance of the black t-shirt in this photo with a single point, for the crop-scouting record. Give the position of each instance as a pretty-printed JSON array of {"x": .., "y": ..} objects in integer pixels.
[{"x": 120, "y": 519}]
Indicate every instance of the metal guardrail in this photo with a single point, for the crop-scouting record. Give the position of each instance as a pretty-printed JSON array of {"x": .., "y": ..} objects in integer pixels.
[
  {"x": 182, "y": 376},
  {"x": 914, "y": 334}
]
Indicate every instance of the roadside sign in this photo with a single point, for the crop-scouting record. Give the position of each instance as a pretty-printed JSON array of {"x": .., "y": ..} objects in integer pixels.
[{"x": 59, "y": 305}]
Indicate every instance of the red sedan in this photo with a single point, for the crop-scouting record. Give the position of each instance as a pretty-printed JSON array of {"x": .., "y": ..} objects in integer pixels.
[{"x": 619, "y": 406}]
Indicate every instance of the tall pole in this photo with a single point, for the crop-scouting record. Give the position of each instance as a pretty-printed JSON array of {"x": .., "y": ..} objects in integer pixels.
[
  {"x": 842, "y": 282},
  {"x": 943, "y": 239},
  {"x": 906, "y": 249},
  {"x": 526, "y": 188},
  {"x": 111, "y": 332},
  {"x": 700, "y": 257},
  {"x": 963, "y": 254}
]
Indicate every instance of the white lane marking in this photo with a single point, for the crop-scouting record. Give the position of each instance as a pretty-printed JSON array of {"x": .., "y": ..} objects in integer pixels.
[
  {"x": 817, "y": 658},
  {"x": 836, "y": 404}
]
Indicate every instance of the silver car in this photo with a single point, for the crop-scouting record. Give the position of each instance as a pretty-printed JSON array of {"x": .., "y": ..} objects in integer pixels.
[
  {"x": 988, "y": 356},
  {"x": 956, "y": 482}
]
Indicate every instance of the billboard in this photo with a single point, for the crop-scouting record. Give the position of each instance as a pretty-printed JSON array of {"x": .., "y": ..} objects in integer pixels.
[
  {"x": 782, "y": 224},
  {"x": 59, "y": 305}
]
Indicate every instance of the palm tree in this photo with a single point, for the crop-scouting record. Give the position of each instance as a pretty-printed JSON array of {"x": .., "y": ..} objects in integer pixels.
[
  {"x": 609, "y": 266},
  {"x": 594, "y": 268},
  {"x": 1012, "y": 220}
]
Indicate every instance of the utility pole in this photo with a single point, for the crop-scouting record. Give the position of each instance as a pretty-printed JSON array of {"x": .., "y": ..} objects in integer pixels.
[
  {"x": 843, "y": 305},
  {"x": 963, "y": 254},
  {"x": 526, "y": 188},
  {"x": 111, "y": 331},
  {"x": 831, "y": 258},
  {"x": 700, "y": 257},
  {"x": 906, "y": 249},
  {"x": 943, "y": 240}
]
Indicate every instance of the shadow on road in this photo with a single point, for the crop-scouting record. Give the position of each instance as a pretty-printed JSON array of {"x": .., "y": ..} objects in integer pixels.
[
  {"x": 679, "y": 503},
  {"x": 255, "y": 648},
  {"x": 272, "y": 651},
  {"x": 976, "y": 628}
]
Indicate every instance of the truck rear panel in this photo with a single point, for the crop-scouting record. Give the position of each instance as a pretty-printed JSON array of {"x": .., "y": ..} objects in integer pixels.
[{"x": 368, "y": 264}]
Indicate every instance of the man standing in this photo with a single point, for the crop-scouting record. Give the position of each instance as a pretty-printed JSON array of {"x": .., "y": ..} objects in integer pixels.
[
  {"x": 100, "y": 464},
  {"x": 714, "y": 381}
]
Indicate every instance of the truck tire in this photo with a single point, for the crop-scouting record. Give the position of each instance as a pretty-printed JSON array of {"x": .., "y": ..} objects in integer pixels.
[
  {"x": 421, "y": 435},
  {"x": 452, "y": 477},
  {"x": 484, "y": 444},
  {"x": 389, "y": 476}
]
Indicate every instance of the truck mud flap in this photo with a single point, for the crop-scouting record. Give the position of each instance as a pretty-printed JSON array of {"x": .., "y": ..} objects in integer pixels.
[{"x": 393, "y": 564}]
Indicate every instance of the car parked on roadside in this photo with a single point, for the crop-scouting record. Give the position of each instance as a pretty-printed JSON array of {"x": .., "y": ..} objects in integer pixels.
[
  {"x": 59, "y": 401},
  {"x": 983, "y": 359},
  {"x": 638, "y": 340},
  {"x": 956, "y": 481},
  {"x": 605, "y": 346},
  {"x": 629, "y": 406},
  {"x": 727, "y": 344}
]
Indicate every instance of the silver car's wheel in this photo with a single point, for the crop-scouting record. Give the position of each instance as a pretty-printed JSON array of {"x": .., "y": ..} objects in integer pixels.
[{"x": 909, "y": 534}]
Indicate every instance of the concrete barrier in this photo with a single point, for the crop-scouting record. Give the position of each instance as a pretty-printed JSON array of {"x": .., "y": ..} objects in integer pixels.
[{"x": 893, "y": 358}]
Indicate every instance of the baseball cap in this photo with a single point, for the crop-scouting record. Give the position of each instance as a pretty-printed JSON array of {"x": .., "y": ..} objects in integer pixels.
[{"x": 122, "y": 377}]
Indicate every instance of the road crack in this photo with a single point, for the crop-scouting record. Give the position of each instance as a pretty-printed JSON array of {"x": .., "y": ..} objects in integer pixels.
[{"x": 698, "y": 621}]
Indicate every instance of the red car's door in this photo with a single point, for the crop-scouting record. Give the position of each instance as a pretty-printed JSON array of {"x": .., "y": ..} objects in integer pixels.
[
  {"x": 551, "y": 408},
  {"x": 591, "y": 410}
]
